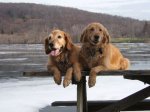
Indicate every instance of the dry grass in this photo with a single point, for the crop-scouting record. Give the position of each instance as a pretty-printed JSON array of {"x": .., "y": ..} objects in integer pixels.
[{"x": 21, "y": 39}]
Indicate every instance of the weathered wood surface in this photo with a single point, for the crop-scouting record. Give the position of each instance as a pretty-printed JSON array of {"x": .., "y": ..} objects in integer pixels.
[
  {"x": 102, "y": 73},
  {"x": 142, "y": 75},
  {"x": 97, "y": 105}
]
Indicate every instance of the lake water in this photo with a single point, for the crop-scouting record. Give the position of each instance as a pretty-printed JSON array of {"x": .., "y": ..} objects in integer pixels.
[{"x": 23, "y": 94}]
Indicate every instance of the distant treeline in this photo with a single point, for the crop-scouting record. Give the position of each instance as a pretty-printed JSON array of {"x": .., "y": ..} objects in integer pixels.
[{"x": 30, "y": 23}]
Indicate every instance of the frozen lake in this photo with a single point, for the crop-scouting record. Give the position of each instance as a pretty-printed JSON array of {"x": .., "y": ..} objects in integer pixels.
[{"x": 20, "y": 94}]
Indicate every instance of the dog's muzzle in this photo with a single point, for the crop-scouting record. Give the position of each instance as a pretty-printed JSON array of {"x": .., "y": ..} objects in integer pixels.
[{"x": 96, "y": 39}]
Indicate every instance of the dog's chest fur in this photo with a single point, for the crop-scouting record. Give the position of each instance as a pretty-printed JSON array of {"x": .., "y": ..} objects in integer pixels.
[
  {"x": 63, "y": 62},
  {"x": 91, "y": 55}
]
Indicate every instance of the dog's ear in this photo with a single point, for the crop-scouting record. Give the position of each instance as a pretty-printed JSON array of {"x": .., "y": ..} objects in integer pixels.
[
  {"x": 83, "y": 37},
  {"x": 69, "y": 43},
  {"x": 46, "y": 44},
  {"x": 106, "y": 38}
]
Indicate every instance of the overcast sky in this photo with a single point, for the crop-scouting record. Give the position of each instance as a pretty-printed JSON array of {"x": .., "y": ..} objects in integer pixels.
[{"x": 139, "y": 9}]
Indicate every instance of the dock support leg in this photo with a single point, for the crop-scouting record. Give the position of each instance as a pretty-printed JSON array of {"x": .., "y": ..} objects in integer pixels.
[{"x": 82, "y": 96}]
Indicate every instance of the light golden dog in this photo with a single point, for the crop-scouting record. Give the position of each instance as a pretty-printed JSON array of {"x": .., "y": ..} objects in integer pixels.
[
  {"x": 98, "y": 54},
  {"x": 63, "y": 57}
]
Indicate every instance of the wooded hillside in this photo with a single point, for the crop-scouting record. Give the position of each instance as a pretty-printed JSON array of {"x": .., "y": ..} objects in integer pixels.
[{"x": 30, "y": 23}]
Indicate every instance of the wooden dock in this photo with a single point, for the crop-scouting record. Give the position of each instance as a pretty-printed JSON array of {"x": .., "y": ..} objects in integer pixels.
[{"x": 132, "y": 102}]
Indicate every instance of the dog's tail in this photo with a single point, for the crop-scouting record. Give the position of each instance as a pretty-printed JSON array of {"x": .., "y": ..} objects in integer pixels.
[{"x": 125, "y": 63}]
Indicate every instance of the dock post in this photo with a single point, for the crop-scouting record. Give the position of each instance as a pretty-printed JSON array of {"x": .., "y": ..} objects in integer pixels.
[{"x": 82, "y": 96}]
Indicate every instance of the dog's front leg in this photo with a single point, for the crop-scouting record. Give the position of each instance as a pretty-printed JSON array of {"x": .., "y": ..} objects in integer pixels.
[
  {"x": 68, "y": 77},
  {"x": 92, "y": 75},
  {"x": 77, "y": 71},
  {"x": 56, "y": 73}
]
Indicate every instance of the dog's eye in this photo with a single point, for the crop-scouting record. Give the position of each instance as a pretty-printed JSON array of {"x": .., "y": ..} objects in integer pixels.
[
  {"x": 59, "y": 36},
  {"x": 100, "y": 29},
  {"x": 92, "y": 29}
]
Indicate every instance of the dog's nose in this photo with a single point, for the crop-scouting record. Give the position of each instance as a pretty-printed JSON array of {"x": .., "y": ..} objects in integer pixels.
[
  {"x": 51, "y": 45},
  {"x": 96, "y": 37}
]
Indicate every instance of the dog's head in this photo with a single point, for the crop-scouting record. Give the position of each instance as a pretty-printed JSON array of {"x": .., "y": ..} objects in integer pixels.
[
  {"x": 95, "y": 34},
  {"x": 57, "y": 42}
]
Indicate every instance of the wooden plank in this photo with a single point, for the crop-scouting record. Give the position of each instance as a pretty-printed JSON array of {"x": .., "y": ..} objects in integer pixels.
[
  {"x": 82, "y": 96},
  {"x": 145, "y": 79},
  {"x": 142, "y": 75},
  {"x": 140, "y": 106},
  {"x": 128, "y": 101},
  {"x": 102, "y": 73},
  {"x": 97, "y": 105}
]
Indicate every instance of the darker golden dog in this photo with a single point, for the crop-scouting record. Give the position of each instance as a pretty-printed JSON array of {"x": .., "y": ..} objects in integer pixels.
[
  {"x": 63, "y": 57},
  {"x": 98, "y": 54}
]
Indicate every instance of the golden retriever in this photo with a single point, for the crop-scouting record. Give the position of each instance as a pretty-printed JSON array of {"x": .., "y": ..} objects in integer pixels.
[
  {"x": 62, "y": 57},
  {"x": 98, "y": 54}
]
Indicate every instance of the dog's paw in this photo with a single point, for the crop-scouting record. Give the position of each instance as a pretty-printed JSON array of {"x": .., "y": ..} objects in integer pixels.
[
  {"x": 66, "y": 82},
  {"x": 57, "y": 78},
  {"x": 92, "y": 81},
  {"x": 77, "y": 75}
]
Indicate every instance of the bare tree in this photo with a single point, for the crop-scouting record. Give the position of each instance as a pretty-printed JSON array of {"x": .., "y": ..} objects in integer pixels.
[{"x": 30, "y": 23}]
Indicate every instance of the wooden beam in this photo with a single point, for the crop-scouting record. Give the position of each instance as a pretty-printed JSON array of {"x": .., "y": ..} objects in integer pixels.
[
  {"x": 97, "y": 105},
  {"x": 102, "y": 73},
  {"x": 142, "y": 75},
  {"x": 82, "y": 96},
  {"x": 128, "y": 101},
  {"x": 145, "y": 78}
]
